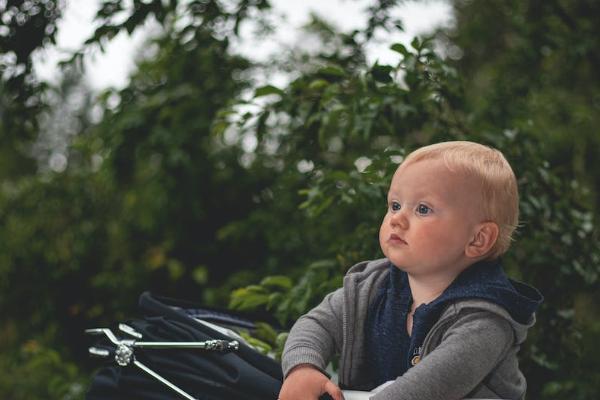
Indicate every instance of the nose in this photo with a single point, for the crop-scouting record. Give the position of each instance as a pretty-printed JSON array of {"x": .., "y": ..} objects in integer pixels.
[{"x": 399, "y": 219}]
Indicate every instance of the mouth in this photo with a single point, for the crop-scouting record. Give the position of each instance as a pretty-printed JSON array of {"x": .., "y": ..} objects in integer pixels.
[{"x": 396, "y": 239}]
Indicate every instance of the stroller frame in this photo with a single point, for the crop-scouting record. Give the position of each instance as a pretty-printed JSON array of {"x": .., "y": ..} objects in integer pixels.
[
  {"x": 125, "y": 351},
  {"x": 205, "y": 355}
]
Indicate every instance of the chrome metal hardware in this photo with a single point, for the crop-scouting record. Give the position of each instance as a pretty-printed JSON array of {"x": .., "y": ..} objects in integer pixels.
[{"x": 125, "y": 350}]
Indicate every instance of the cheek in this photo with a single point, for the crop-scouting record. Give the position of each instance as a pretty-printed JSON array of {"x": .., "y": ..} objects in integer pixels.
[
  {"x": 429, "y": 232},
  {"x": 440, "y": 237},
  {"x": 385, "y": 225},
  {"x": 383, "y": 231}
]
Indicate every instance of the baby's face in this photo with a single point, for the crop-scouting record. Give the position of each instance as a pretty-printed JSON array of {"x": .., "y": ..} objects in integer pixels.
[{"x": 431, "y": 217}]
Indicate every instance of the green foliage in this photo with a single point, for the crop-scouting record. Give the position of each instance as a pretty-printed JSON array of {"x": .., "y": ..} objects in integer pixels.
[
  {"x": 25, "y": 26},
  {"x": 39, "y": 372},
  {"x": 286, "y": 302},
  {"x": 532, "y": 66},
  {"x": 138, "y": 207},
  {"x": 266, "y": 340}
]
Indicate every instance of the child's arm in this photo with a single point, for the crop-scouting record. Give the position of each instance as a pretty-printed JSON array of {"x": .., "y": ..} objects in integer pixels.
[
  {"x": 316, "y": 336},
  {"x": 312, "y": 341},
  {"x": 468, "y": 352}
]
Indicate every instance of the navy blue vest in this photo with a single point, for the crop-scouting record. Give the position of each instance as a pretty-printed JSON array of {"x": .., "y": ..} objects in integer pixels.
[{"x": 391, "y": 351}]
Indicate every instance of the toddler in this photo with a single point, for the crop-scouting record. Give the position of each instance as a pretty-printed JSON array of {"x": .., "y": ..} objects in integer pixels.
[{"x": 437, "y": 315}]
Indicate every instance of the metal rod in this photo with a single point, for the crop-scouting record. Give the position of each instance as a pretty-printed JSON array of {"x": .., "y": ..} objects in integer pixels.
[
  {"x": 130, "y": 331},
  {"x": 218, "y": 345},
  {"x": 163, "y": 380},
  {"x": 98, "y": 352},
  {"x": 105, "y": 331}
]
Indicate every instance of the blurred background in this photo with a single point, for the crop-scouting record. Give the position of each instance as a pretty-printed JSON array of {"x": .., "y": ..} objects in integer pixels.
[{"x": 237, "y": 153}]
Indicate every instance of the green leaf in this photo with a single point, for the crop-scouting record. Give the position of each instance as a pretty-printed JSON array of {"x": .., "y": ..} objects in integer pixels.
[
  {"x": 316, "y": 211},
  {"x": 278, "y": 282},
  {"x": 416, "y": 43},
  {"x": 400, "y": 48},
  {"x": 258, "y": 344},
  {"x": 265, "y": 332},
  {"x": 248, "y": 298},
  {"x": 332, "y": 71},
  {"x": 381, "y": 73},
  {"x": 267, "y": 90},
  {"x": 318, "y": 84},
  {"x": 274, "y": 300},
  {"x": 281, "y": 339},
  {"x": 323, "y": 264}
]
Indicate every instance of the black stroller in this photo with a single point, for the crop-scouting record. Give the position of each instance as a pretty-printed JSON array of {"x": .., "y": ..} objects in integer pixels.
[{"x": 182, "y": 351}]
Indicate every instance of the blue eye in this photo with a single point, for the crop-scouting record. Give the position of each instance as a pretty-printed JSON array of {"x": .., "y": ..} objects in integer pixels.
[
  {"x": 395, "y": 206},
  {"x": 423, "y": 209}
]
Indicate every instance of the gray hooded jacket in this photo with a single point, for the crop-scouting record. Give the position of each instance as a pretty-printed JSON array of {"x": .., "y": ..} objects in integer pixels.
[{"x": 471, "y": 351}]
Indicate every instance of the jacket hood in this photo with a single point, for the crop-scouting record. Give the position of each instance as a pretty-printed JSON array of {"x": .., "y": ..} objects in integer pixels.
[{"x": 487, "y": 281}]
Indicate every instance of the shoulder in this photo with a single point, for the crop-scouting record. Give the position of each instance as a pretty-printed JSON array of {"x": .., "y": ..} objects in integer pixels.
[
  {"x": 368, "y": 269},
  {"x": 480, "y": 307},
  {"x": 476, "y": 336},
  {"x": 479, "y": 322},
  {"x": 366, "y": 276},
  {"x": 487, "y": 312},
  {"x": 361, "y": 284}
]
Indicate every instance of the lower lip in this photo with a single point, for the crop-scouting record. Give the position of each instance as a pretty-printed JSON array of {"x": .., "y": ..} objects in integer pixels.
[{"x": 396, "y": 241}]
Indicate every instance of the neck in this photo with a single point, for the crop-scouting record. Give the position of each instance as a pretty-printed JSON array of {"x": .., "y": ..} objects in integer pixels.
[{"x": 426, "y": 288}]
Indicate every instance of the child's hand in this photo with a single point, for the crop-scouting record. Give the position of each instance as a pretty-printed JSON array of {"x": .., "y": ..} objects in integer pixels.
[{"x": 305, "y": 382}]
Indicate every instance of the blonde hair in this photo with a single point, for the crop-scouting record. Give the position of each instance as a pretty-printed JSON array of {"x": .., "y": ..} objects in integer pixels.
[{"x": 499, "y": 192}]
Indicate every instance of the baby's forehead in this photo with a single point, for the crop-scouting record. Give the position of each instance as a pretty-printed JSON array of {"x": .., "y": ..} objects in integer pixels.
[
  {"x": 429, "y": 168},
  {"x": 434, "y": 177}
]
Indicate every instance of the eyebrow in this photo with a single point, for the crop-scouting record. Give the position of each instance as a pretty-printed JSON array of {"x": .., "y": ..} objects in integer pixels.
[{"x": 418, "y": 194}]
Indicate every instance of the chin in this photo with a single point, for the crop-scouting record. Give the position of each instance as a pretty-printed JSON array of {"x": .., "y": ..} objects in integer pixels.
[{"x": 398, "y": 262}]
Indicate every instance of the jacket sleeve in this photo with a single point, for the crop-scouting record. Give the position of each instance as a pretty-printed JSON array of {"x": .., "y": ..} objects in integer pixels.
[
  {"x": 469, "y": 350},
  {"x": 316, "y": 336}
]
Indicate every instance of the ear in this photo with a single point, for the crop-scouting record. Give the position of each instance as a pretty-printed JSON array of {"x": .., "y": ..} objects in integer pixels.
[{"x": 484, "y": 238}]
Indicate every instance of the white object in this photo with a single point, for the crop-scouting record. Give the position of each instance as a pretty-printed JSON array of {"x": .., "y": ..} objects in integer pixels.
[{"x": 358, "y": 395}]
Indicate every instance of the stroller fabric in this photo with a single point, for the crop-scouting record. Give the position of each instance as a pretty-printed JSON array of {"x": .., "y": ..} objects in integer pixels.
[{"x": 206, "y": 375}]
